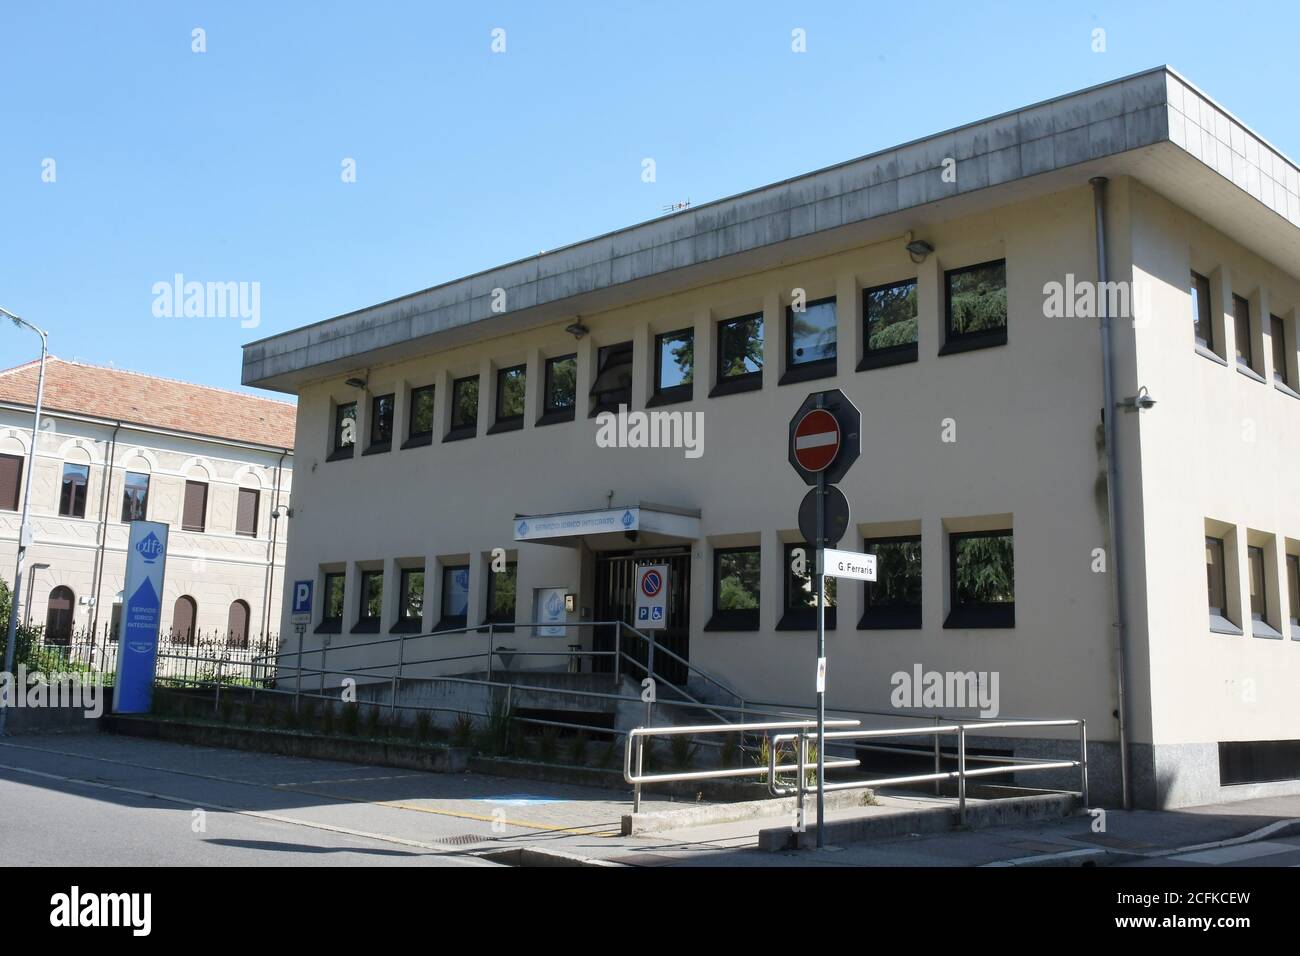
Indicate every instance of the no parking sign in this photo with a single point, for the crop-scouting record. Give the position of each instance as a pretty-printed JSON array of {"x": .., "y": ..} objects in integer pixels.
[{"x": 651, "y": 597}]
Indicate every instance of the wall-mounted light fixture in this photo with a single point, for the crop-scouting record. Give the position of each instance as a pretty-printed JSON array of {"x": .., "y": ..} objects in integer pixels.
[
  {"x": 357, "y": 383},
  {"x": 918, "y": 249},
  {"x": 576, "y": 329},
  {"x": 1139, "y": 402}
]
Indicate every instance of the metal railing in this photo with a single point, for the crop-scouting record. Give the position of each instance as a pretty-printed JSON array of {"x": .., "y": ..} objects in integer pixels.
[{"x": 802, "y": 732}]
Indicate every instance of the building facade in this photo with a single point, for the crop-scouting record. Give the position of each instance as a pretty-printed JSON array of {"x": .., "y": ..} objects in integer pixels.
[
  {"x": 116, "y": 446},
  {"x": 460, "y": 472}
]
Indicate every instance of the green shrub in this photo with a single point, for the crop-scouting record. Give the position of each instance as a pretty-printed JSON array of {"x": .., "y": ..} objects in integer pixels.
[
  {"x": 578, "y": 749},
  {"x": 327, "y": 717},
  {"x": 423, "y": 725},
  {"x": 548, "y": 744},
  {"x": 462, "y": 731},
  {"x": 682, "y": 751},
  {"x": 351, "y": 718},
  {"x": 501, "y": 717}
]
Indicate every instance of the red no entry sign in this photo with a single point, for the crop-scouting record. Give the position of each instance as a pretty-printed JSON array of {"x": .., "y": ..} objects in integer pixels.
[{"x": 816, "y": 440}]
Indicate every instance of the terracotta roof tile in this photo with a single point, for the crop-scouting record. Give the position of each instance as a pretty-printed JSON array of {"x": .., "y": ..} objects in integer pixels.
[{"x": 141, "y": 399}]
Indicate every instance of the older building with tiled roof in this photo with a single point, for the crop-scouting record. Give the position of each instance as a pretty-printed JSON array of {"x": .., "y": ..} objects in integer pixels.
[
  {"x": 120, "y": 395},
  {"x": 116, "y": 446}
]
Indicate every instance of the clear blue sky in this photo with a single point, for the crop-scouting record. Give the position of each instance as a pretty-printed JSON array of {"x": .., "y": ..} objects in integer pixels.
[{"x": 225, "y": 166}]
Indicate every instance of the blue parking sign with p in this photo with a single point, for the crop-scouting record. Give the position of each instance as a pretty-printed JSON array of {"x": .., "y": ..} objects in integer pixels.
[{"x": 302, "y": 591}]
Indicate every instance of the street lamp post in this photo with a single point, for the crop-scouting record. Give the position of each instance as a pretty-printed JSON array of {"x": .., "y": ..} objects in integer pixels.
[{"x": 24, "y": 529}]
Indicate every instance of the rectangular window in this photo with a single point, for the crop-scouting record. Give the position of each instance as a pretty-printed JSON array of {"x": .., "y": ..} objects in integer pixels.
[
  {"x": 1258, "y": 593},
  {"x": 455, "y": 596},
  {"x": 893, "y": 600},
  {"x": 72, "y": 493},
  {"x": 11, "y": 481},
  {"x": 246, "y": 512},
  {"x": 371, "y": 604},
  {"x": 561, "y": 396},
  {"x": 1241, "y": 329},
  {"x": 512, "y": 383},
  {"x": 381, "y": 424},
  {"x": 345, "y": 430},
  {"x": 613, "y": 383},
  {"x": 740, "y": 354},
  {"x": 810, "y": 341},
  {"x": 800, "y": 604},
  {"x": 135, "y": 496},
  {"x": 889, "y": 326},
  {"x": 735, "y": 590},
  {"x": 194, "y": 517},
  {"x": 464, "y": 408},
  {"x": 674, "y": 367},
  {"x": 982, "y": 579},
  {"x": 975, "y": 307},
  {"x": 1277, "y": 336},
  {"x": 410, "y": 604},
  {"x": 420, "y": 431},
  {"x": 1201, "y": 320},
  {"x": 1293, "y": 588},
  {"x": 501, "y": 592},
  {"x": 332, "y": 604},
  {"x": 1217, "y": 586}
]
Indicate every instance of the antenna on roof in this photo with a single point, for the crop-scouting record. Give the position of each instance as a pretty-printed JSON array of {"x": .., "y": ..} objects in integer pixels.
[{"x": 677, "y": 206}]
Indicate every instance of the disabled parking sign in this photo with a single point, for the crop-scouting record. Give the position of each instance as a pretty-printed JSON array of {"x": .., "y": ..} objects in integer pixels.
[{"x": 652, "y": 597}]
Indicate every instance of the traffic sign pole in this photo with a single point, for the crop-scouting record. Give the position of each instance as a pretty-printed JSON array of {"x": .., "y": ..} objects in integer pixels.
[{"x": 821, "y": 655}]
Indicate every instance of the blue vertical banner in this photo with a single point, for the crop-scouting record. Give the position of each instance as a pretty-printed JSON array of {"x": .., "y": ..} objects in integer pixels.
[{"x": 137, "y": 649}]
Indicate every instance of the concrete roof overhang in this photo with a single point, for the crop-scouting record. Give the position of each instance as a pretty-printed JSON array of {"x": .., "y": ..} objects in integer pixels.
[
  {"x": 1153, "y": 126},
  {"x": 613, "y": 528}
]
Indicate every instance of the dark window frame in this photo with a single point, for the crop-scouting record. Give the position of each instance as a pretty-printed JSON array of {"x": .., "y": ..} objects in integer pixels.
[
  {"x": 737, "y": 381},
  {"x": 500, "y": 624},
  {"x": 1293, "y": 592},
  {"x": 379, "y": 444},
  {"x": 416, "y": 439},
  {"x": 605, "y": 356},
  {"x": 551, "y": 414},
  {"x": 463, "y": 431},
  {"x": 889, "y": 617},
  {"x": 812, "y": 368},
  {"x": 978, "y": 615},
  {"x": 452, "y": 622},
  {"x": 332, "y": 624},
  {"x": 954, "y": 342},
  {"x": 69, "y": 497},
  {"x": 890, "y": 354},
  {"x": 405, "y": 624},
  {"x": 734, "y": 619},
  {"x": 1237, "y": 326},
  {"x": 1258, "y": 615},
  {"x": 673, "y": 394},
  {"x": 1203, "y": 312},
  {"x": 803, "y": 618},
  {"x": 203, "y": 526},
  {"x": 128, "y": 498},
  {"x": 1277, "y": 339},
  {"x": 340, "y": 451},
  {"x": 1219, "y": 545},
  {"x": 509, "y": 423},
  {"x": 368, "y": 623}
]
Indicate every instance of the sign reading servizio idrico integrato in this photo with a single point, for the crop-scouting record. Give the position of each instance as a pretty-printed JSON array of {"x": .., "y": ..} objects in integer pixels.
[{"x": 137, "y": 649}]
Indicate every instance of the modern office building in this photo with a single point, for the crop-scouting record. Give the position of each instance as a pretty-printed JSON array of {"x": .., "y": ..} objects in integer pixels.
[
  {"x": 458, "y": 469},
  {"x": 116, "y": 446}
]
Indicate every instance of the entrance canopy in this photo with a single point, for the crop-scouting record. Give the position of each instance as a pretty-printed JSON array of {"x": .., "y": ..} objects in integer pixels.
[{"x": 642, "y": 524}]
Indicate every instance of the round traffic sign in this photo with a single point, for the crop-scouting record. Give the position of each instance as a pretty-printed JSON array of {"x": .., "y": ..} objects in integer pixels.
[
  {"x": 816, "y": 440},
  {"x": 651, "y": 583}
]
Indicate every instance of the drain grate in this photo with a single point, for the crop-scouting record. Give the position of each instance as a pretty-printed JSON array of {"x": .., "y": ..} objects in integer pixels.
[{"x": 462, "y": 839}]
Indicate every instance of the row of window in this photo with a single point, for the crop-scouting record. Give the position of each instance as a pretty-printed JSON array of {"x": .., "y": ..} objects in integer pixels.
[
  {"x": 1243, "y": 334},
  {"x": 981, "y": 582},
  {"x": 975, "y": 309},
  {"x": 135, "y": 497},
  {"x": 185, "y": 612},
  {"x": 1265, "y": 619},
  {"x": 500, "y": 605}
]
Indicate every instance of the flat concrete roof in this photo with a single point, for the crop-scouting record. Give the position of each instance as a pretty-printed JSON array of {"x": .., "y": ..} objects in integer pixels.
[{"x": 1155, "y": 126}]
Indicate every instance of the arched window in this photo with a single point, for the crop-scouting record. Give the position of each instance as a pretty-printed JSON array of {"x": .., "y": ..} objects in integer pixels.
[
  {"x": 184, "y": 614},
  {"x": 237, "y": 625},
  {"x": 58, "y": 616}
]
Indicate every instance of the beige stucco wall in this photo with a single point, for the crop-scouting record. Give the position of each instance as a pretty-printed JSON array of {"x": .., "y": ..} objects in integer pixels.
[
  {"x": 215, "y": 567},
  {"x": 1026, "y": 417},
  {"x": 1223, "y": 447}
]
